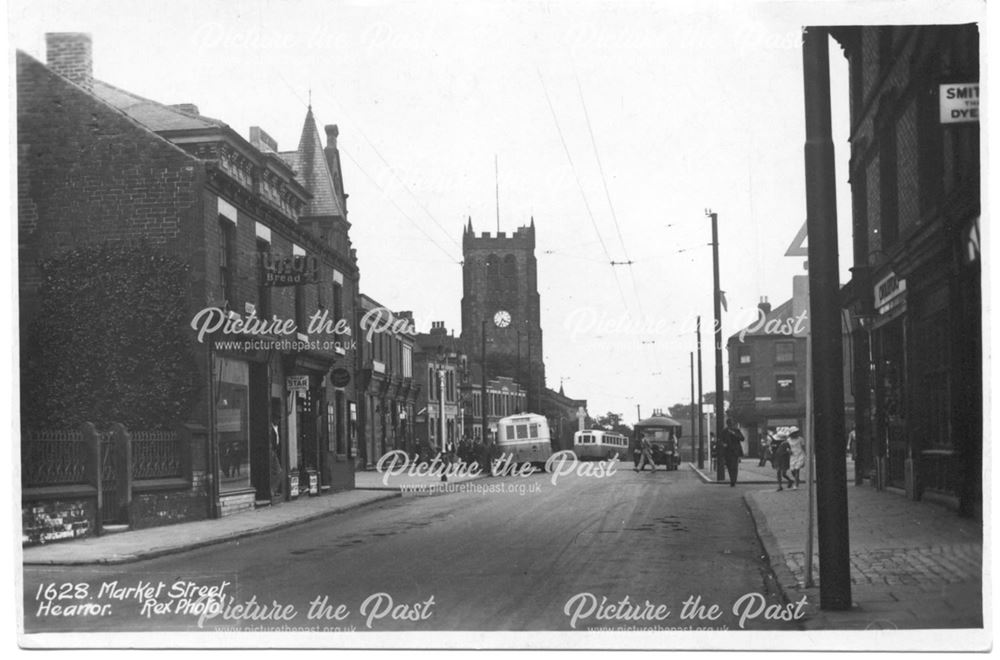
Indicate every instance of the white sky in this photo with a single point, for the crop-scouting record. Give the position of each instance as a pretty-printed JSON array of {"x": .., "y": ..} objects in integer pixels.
[{"x": 690, "y": 106}]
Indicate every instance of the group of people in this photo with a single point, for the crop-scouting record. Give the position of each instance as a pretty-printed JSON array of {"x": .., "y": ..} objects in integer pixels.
[{"x": 786, "y": 449}]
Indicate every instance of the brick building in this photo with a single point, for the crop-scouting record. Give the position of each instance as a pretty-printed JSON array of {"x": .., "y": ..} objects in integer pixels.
[
  {"x": 442, "y": 369},
  {"x": 767, "y": 368},
  {"x": 100, "y": 165},
  {"x": 387, "y": 389},
  {"x": 915, "y": 293}
]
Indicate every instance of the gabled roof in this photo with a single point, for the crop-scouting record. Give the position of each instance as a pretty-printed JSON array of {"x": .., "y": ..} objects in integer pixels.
[
  {"x": 782, "y": 313},
  {"x": 155, "y": 116},
  {"x": 313, "y": 172}
]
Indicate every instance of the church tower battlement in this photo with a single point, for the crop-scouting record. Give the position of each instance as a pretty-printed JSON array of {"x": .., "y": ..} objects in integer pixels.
[{"x": 500, "y": 286}]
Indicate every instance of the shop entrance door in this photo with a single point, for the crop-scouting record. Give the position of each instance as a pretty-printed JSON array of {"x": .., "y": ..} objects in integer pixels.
[
  {"x": 891, "y": 402},
  {"x": 309, "y": 418}
]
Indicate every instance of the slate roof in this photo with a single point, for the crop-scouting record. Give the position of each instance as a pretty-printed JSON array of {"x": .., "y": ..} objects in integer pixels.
[
  {"x": 313, "y": 172},
  {"x": 156, "y": 116}
]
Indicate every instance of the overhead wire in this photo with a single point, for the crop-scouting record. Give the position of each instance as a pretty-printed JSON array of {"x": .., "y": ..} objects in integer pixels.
[{"x": 583, "y": 194}]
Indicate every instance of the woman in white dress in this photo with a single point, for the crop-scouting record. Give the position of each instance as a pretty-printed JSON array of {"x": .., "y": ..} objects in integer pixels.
[{"x": 797, "y": 461}]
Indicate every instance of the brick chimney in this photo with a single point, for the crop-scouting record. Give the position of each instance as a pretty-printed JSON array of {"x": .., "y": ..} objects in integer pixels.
[
  {"x": 70, "y": 55},
  {"x": 331, "y": 135},
  {"x": 764, "y": 305},
  {"x": 437, "y": 328}
]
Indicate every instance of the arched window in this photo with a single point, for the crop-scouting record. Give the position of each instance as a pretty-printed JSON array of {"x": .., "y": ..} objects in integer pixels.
[
  {"x": 470, "y": 268},
  {"x": 510, "y": 274},
  {"x": 492, "y": 274}
]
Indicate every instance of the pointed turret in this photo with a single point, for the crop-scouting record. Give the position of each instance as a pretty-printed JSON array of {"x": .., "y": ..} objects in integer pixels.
[{"x": 314, "y": 172}]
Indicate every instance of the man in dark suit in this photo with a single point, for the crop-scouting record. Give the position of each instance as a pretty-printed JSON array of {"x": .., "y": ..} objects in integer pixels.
[{"x": 731, "y": 449}]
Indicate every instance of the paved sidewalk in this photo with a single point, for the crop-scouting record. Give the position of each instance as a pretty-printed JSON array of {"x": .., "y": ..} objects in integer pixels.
[
  {"x": 914, "y": 565},
  {"x": 140, "y": 544},
  {"x": 749, "y": 473}
]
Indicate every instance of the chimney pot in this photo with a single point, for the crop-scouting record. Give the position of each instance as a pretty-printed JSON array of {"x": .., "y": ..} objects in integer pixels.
[
  {"x": 70, "y": 54},
  {"x": 332, "y": 132}
]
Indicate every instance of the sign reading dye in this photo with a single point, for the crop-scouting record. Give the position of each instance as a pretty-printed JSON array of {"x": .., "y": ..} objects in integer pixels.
[{"x": 959, "y": 102}]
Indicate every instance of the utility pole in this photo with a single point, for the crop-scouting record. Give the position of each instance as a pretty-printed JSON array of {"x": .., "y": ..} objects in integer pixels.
[
  {"x": 519, "y": 383},
  {"x": 824, "y": 312},
  {"x": 691, "y": 415},
  {"x": 701, "y": 413},
  {"x": 720, "y": 412}
]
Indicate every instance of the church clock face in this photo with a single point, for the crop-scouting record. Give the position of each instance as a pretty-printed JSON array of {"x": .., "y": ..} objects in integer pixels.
[{"x": 502, "y": 318}]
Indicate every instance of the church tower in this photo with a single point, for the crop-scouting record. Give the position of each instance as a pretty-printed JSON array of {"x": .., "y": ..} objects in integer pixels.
[{"x": 500, "y": 287}]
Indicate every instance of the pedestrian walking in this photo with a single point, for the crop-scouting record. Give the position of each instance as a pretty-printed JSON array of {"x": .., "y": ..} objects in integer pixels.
[
  {"x": 646, "y": 449},
  {"x": 797, "y": 460},
  {"x": 731, "y": 449},
  {"x": 713, "y": 448},
  {"x": 782, "y": 455},
  {"x": 852, "y": 445},
  {"x": 765, "y": 447}
]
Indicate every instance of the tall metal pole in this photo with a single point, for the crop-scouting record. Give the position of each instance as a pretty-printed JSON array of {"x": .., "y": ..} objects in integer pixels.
[
  {"x": 720, "y": 412},
  {"x": 701, "y": 413},
  {"x": 519, "y": 383},
  {"x": 482, "y": 408},
  {"x": 824, "y": 311},
  {"x": 691, "y": 412},
  {"x": 531, "y": 406}
]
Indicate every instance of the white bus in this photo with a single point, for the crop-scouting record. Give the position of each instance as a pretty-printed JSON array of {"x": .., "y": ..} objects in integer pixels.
[
  {"x": 597, "y": 445},
  {"x": 525, "y": 438}
]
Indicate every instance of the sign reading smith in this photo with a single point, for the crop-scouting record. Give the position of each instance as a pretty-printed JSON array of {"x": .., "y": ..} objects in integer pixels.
[{"x": 288, "y": 271}]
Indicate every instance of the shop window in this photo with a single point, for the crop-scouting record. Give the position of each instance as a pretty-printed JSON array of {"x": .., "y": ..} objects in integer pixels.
[
  {"x": 744, "y": 355},
  {"x": 746, "y": 385},
  {"x": 232, "y": 423},
  {"x": 784, "y": 352},
  {"x": 784, "y": 388}
]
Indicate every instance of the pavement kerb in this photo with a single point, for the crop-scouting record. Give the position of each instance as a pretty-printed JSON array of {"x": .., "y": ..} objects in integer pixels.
[
  {"x": 201, "y": 543},
  {"x": 711, "y": 480}
]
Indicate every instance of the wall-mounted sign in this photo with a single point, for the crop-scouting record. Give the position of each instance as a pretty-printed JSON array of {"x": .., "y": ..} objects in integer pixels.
[
  {"x": 888, "y": 289},
  {"x": 288, "y": 271},
  {"x": 959, "y": 102},
  {"x": 297, "y": 383},
  {"x": 340, "y": 377}
]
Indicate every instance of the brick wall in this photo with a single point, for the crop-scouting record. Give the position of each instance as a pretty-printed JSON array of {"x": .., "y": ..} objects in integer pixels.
[
  {"x": 152, "y": 509},
  {"x": 88, "y": 174}
]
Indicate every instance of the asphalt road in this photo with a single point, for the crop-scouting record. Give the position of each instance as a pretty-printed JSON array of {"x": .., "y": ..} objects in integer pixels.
[{"x": 512, "y": 553}]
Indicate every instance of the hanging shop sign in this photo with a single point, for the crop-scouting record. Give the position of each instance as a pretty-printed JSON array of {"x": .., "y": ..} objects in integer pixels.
[
  {"x": 288, "y": 271},
  {"x": 959, "y": 102},
  {"x": 297, "y": 383},
  {"x": 889, "y": 292},
  {"x": 340, "y": 377}
]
